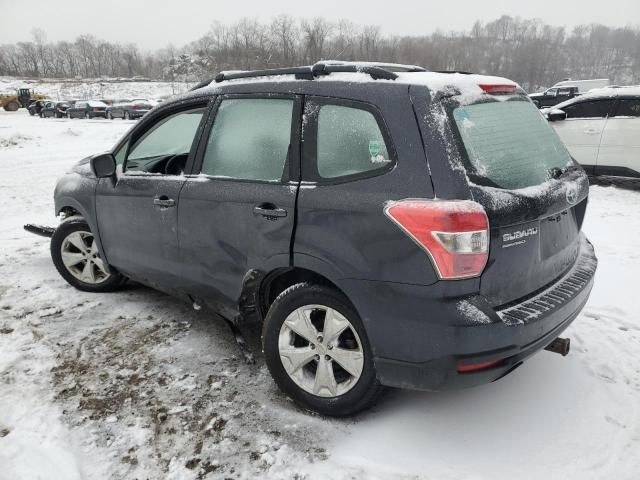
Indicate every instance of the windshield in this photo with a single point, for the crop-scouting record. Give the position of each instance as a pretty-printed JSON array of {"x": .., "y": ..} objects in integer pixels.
[{"x": 509, "y": 144}]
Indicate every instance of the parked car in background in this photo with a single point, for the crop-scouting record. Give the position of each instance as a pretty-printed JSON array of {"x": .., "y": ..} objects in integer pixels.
[
  {"x": 553, "y": 96},
  {"x": 368, "y": 262},
  {"x": 130, "y": 109},
  {"x": 566, "y": 90},
  {"x": 601, "y": 129},
  {"x": 36, "y": 107},
  {"x": 55, "y": 109},
  {"x": 87, "y": 109}
]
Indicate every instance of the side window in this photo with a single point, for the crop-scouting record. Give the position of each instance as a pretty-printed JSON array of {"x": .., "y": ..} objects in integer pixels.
[
  {"x": 564, "y": 92},
  {"x": 165, "y": 147},
  {"x": 250, "y": 139},
  {"x": 592, "y": 109},
  {"x": 628, "y": 107},
  {"x": 552, "y": 92},
  {"x": 349, "y": 142}
]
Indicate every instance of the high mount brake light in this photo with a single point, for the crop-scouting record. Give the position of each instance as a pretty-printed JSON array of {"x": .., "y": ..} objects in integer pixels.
[
  {"x": 498, "y": 88},
  {"x": 455, "y": 233}
]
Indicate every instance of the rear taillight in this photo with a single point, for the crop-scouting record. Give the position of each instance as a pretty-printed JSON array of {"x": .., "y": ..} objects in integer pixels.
[
  {"x": 455, "y": 233},
  {"x": 498, "y": 88}
]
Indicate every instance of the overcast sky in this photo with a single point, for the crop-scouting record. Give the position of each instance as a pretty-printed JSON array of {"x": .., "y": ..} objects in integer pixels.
[{"x": 154, "y": 24}]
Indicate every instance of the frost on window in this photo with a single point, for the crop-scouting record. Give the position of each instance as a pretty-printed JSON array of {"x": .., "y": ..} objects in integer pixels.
[
  {"x": 250, "y": 139},
  {"x": 349, "y": 142},
  {"x": 509, "y": 143},
  {"x": 172, "y": 136}
]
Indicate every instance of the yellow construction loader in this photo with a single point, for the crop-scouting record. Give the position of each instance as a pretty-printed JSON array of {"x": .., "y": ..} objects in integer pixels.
[{"x": 22, "y": 98}]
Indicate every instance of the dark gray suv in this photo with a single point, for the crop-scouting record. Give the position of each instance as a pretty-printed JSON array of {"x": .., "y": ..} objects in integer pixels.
[{"x": 388, "y": 225}]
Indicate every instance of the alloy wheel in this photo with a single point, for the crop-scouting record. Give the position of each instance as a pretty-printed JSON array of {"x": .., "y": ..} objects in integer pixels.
[
  {"x": 80, "y": 256},
  {"x": 320, "y": 350}
]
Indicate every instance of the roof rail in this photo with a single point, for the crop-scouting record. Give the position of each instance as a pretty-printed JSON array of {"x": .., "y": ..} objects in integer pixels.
[{"x": 376, "y": 71}]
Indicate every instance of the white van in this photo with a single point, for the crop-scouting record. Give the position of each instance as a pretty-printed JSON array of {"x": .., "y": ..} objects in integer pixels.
[
  {"x": 601, "y": 130},
  {"x": 584, "y": 85}
]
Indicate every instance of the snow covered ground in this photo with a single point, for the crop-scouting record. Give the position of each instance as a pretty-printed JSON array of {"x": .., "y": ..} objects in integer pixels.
[
  {"x": 138, "y": 385},
  {"x": 94, "y": 89}
]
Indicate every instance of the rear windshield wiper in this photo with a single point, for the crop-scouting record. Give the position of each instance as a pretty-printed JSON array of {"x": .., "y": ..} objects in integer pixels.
[{"x": 555, "y": 172}]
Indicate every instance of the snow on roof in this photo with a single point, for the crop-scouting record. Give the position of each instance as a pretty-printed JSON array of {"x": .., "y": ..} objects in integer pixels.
[
  {"x": 468, "y": 84},
  {"x": 606, "y": 92}
]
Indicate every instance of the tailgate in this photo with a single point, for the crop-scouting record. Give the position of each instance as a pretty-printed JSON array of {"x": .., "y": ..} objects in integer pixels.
[
  {"x": 534, "y": 238},
  {"x": 532, "y": 191}
]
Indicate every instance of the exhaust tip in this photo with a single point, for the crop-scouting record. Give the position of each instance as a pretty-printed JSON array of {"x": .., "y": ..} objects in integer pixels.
[{"x": 559, "y": 345}]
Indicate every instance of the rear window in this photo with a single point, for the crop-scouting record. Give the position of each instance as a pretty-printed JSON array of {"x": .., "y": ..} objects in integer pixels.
[{"x": 509, "y": 144}]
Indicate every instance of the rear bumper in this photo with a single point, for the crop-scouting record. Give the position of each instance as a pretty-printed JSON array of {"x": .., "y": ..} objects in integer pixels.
[{"x": 420, "y": 338}]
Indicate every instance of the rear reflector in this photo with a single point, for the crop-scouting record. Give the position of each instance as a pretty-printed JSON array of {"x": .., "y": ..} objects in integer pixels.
[
  {"x": 455, "y": 233},
  {"x": 498, "y": 88},
  {"x": 474, "y": 367}
]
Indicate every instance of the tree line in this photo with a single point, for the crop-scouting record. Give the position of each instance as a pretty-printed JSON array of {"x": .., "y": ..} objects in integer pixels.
[{"x": 531, "y": 52}]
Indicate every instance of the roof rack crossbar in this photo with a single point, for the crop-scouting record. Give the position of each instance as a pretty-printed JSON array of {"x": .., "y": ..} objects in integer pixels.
[{"x": 309, "y": 73}]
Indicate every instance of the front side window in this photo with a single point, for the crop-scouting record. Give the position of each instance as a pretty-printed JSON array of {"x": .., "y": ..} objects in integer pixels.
[
  {"x": 350, "y": 142},
  {"x": 628, "y": 107},
  {"x": 509, "y": 144},
  {"x": 590, "y": 109},
  {"x": 552, "y": 92},
  {"x": 250, "y": 139},
  {"x": 168, "y": 142}
]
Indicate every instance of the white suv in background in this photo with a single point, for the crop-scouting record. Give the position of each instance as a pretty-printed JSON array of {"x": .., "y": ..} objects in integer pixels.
[{"x": 601, "y": 129}]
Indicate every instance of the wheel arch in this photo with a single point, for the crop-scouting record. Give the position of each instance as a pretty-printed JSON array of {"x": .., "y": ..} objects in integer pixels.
[{"x": 278, "y": 280}]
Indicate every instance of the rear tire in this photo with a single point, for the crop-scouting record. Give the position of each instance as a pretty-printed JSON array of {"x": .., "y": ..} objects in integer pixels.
[
  {"x": 12, "y": 106},
  {"x": 332, "y": 374},
  {"x": 75, "y": 255}
]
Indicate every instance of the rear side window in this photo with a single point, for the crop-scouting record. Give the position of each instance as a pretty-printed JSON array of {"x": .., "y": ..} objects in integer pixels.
[
  {"x": 350, "y": 142},
  {"x": 509, "y": 144},
  {"x": 250, "y": 139},
  {"x": 628, "y": 107},
  {"x": 592, "y": 109}
]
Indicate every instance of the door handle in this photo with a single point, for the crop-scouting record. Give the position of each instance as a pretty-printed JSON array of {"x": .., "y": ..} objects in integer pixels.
[
  {"x": 164, "y": 201},
  {"x": 590, "y": 130},
  {"x": 268, "y": 210}
]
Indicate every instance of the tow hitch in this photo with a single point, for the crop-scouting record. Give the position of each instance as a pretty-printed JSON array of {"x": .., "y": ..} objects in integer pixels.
[
  {"x": 40, "y": 230},
  {"x": 559, "y": 345}
]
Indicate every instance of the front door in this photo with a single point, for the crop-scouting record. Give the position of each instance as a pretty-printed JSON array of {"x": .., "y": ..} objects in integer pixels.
[
  {"x": 137, "y": 214},
  {"x": 620, "y": 146},
  {"x": 237, "y": 212}
]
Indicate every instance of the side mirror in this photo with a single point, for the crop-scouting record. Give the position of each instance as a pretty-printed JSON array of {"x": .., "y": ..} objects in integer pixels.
[
  {"x": 104, "y": 165},
  {"x": 556, "y": 114}
]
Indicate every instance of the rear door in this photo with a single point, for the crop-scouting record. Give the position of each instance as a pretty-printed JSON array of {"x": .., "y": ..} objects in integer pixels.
[
  {"x": 582, "y": 130},
  {"x": 533, "y": 194},
  {"x": 237, "y": 211},
  {"x": 138, "y": 213},
  {"x": 620, "y": 145}
]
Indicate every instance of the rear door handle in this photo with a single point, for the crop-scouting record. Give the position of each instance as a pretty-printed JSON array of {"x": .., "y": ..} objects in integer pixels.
[
  {"x": 164, "y": 201},
  {"x": 267, "y": 210}
]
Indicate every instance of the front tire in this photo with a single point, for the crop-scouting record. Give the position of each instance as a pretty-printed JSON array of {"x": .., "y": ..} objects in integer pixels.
[
  {"x": 317, "y": 351},
  {"x": 75, "y": 255}
]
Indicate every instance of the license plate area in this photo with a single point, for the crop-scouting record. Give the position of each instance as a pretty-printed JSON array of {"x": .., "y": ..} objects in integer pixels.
[{"x": 557, "y": 232}]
